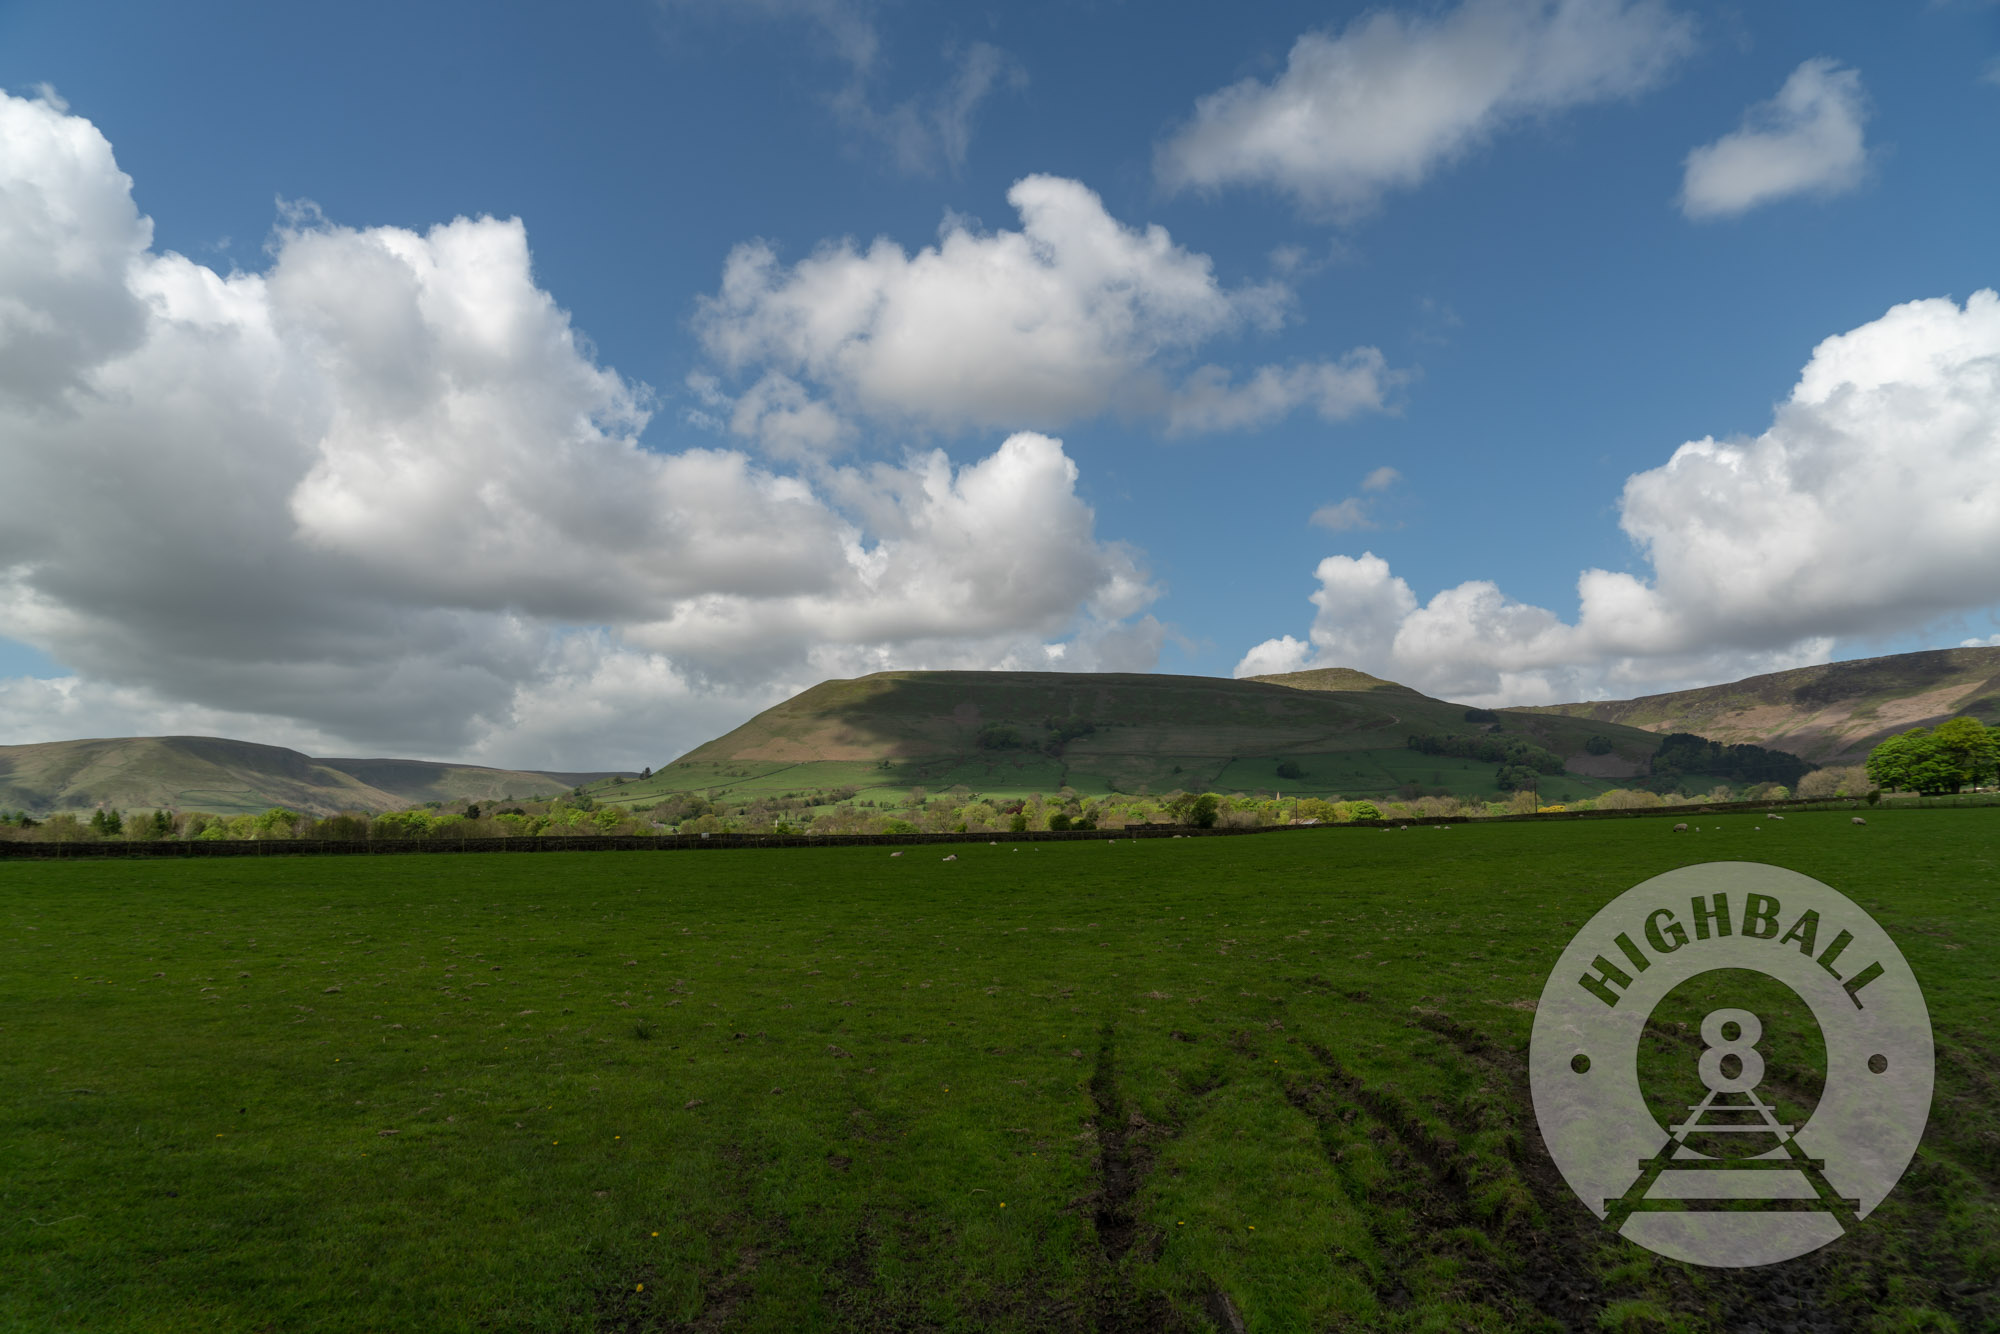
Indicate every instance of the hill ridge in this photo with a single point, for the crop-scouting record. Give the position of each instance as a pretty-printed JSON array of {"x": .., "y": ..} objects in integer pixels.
[
  {"x": 228, "y": 776},
  {"x": 1829, "y": 713}
]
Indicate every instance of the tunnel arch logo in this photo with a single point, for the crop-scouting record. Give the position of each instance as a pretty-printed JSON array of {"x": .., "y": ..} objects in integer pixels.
[{"x": 1724, "y": 1178}]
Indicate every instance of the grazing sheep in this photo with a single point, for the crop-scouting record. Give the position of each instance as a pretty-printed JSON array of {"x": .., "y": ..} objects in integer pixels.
[
  {"x": 895, "y": 854},
  {"x": 1777, "y": 817},
  {"x": 952, "y": 858},
  {"x": 1680, "y": 829},
  {"x": 1859, "y": 820}
]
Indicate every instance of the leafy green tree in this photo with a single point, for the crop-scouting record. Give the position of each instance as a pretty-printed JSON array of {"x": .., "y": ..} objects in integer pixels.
[
  {"x": 1059, "y": 821},
  {"x": 106, "y": 824},
  {"x": 1363, "y": 810},
  {"x": 1913, "y": 761},
  {"x": 1289, "y": 769},
  {"x": 1598, "y": 745},
  {"x": 277, "y": 823},
  {"x": 1969, "y": 746}
]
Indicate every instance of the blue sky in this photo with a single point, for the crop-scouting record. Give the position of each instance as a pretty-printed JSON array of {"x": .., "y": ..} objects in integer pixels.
[{"x": 684, "y": 416}]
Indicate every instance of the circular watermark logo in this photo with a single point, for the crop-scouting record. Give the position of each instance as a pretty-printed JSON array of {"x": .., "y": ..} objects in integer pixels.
[{"x": 1731, "y": 1064}]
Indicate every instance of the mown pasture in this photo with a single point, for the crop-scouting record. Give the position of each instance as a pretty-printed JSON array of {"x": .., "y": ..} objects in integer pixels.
[{"x": 1167, "y": 1085}]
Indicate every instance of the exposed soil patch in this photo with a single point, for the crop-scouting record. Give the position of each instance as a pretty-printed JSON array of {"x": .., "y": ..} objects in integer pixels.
[
  {"x": 1813, "y": 1294},
  {"x": 1118, "y": 1180}
]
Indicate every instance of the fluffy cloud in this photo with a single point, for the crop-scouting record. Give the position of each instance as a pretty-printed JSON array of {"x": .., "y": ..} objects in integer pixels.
[
  {"x": 1072, "y": 316},
  {"x": 1393, "y": 97},
  {"x": 1805, "y": 141},
  {"x": 368, "y": 497},
  {"x": 1870, "y": 507}
]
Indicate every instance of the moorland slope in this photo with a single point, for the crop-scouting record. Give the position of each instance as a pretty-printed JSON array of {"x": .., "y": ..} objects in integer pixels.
[
  {"x": 1040, "y": 731},
  {"x": 1834, "y": 713},
  {"x": 231, "y": 777}
]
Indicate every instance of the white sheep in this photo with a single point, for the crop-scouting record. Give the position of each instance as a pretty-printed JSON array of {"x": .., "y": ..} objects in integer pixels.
[
  {"x": 1680, "y": 829},
  {"x": 895, "y": 854},
  {"x": 952, "y": 858},
  {"x": 1859, "y": 820}
]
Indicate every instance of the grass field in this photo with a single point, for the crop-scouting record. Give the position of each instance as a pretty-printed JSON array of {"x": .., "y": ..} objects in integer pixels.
[{"x": 1160, "y": 1086}]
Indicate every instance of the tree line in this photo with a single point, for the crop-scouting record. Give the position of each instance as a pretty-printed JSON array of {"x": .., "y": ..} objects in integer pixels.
[{"x": 1683, "y": 754}]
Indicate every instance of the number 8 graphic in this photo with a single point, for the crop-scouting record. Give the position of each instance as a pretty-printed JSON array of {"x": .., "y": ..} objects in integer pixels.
[{"x": 1723, "y": 1043}]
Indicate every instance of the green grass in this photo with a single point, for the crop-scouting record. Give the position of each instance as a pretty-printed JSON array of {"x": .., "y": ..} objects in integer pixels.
[{"x": 1282, "y": 1071}]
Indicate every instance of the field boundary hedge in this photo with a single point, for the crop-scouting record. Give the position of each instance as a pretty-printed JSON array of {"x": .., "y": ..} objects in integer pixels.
[
  {"x": 307, "y": 847},
  {"x": 294, "y": 847}
]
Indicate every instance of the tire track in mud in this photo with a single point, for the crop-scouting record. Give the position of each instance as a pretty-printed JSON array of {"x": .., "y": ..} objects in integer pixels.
[
  {"x": 1122, "y": 1165},
  {"x": 1117, "y": 1180},
  {"x": 1816, "y": 1293},
  {"x": 1950, "y": 1287},
  {"x": 1451, "y": 1204}
]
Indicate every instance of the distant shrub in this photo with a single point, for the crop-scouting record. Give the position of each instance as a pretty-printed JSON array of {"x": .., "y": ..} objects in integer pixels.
[
  {"x": 1290, "y": 769},
  {"x": 343, "y": 827},
  {"x": 278, "y": 823},
  {"x": 1059, "y": 821},
  {"x": 1598, "y": 745},
  {"x": 1481, "y": 716},
  {"x": 1312, "y": 808},
  {"x": 1845, "y": 782},
  {"x": 401, "y": 824}
]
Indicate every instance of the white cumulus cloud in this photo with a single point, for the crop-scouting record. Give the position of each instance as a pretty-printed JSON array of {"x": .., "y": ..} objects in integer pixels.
[
  {"x": 1072, "y": 316},
  {"x": 1869, "y": 507},
  {"x": 381, "y": 496},
  {"x": 1394, "y": 96},
  {"x": 1805, "y": 141}
]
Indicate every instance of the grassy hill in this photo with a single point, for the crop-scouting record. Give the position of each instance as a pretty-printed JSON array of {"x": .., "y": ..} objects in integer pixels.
[
  {"x": 1012, "y": 733},
  {"x": 230, "y": 777},
  {"x": 1830, "y": 714}
]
